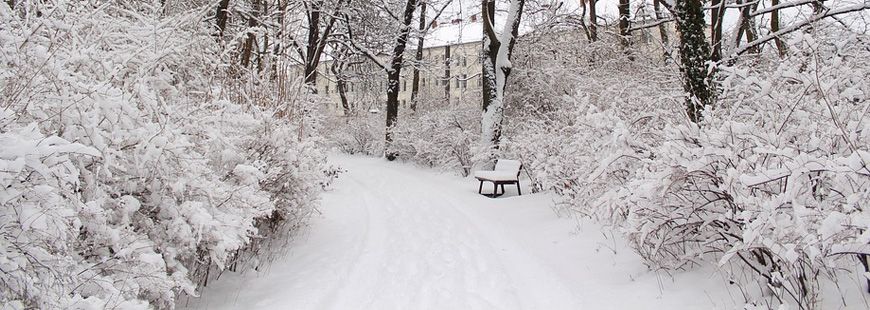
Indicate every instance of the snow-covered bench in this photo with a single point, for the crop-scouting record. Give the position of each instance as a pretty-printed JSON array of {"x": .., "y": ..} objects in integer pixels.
[{"x": 506, "y": 172}]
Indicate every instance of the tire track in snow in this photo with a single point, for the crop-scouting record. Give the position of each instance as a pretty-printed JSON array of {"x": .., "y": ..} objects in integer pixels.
[{"x": 394, "y": 237}]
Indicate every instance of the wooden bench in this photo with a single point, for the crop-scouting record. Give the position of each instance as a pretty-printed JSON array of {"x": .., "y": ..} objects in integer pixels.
[{"x": 506, "y": 172}]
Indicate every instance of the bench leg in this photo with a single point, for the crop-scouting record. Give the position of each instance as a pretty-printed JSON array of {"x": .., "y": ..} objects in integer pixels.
[
  {"x": 494, "y": 189},
  {"x": 502, "y": 187},
  {"x": 519, "y": 191},
  {"x": 480, "y": 188}
]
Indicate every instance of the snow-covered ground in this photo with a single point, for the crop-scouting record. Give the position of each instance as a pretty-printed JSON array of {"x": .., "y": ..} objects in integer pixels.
[{"x": 393, "y": 236}]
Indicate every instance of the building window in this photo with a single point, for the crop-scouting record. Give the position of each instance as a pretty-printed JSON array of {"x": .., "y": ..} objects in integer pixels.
[
  {"x": 464, "y": 61},
  {"x": 464, "y": 81},
  {"x": 405, "y": 85},
  {"x": 479, "y": 81},
  {"x": 326, "y": 89}
]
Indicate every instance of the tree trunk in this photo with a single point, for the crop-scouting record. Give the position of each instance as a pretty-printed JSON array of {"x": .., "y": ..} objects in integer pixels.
[
  {"x": 694, "y": 56},
  {"x": 447, "y": 77},
  {"x": 317, "y": 39},
  {"x": 393, "y": 74},
  {"x": 747, "y": 25},
  {"x": 496, "y": 68},
  {"x": 716, "y": 17},
  {"x": 418, "y": 57},
  {"x": 312, "y": 59},
  {"x": 221, "y": 16},
  {"x": 593, "y": 21},
  {"x": 663, "y": 31},
  {"x": 262, "y": 57},
  {"x": 248, "y": 48},
  {"x": 277, "y": 50},
  {"x": 624, "y": 16},
  {"x": 774, "y": 27}
]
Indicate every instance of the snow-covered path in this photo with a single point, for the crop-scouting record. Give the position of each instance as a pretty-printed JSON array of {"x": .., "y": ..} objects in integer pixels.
[{"x": 392, "y": 236}]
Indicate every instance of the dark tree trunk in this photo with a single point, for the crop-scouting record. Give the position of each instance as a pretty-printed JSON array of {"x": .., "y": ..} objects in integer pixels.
[
  {"x": 490, "y": 53},
  {"x": 593, "y": 21},
  {"x": 716, "y": 16},
  {"x": 317, "y": 39},
  {"x": 747, "y": 25},
  {"x": 694, "y": 56},
  {"x": 277, "y": 50},
  {"x": 624, "y": 17},
  {"x": 447, "y": 77},
  {"x": 774, "y": 27},
  {"x": 494, "y": 72},
  {"x": 221, "y": 16},
  {"x": 262, "y": 57},
  {"x": 663, "y": 31},
  {"x": 310, "y": 70},
  {"x": 248, "y": 48},
  {"x": 418, "y": 57},
  {"x": 338, "y": 68},
  {"x": 393, "y": 74}
]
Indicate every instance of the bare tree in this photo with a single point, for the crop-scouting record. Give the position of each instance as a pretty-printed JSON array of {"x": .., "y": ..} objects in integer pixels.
[
  {"x": 717, "y": 14},
  {"x": 774, "y": 28},
  {"x": 497, "y": 49},
  {"x": 247, "y": 48},
  {"x": 747, "y": 23},
  {"x": 593, "y": 20},
  {"x": 221, "y": 16},
  {"x": 418, "y": 56},
  {"x": 317, "y": 37},
  {"x": 663, "y": 31},
  {"x": 399, "y": 36},
  {"x": 624, "y": 20}
]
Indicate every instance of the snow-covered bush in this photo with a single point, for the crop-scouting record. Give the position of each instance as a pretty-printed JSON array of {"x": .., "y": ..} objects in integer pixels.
[
  {"x": 443, "y": 138},
  {"x": 358, "y": 134},
  {"x": 774, "y": 185},
  {"x": 125, "y": 175},
  {"x": 579, "y": 123}
]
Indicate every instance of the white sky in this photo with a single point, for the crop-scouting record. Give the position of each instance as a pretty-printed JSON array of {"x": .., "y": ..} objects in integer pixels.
[{"x": 607, "y": 9}]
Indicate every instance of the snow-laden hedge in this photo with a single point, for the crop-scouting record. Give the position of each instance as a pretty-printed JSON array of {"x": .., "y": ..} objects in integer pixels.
[
  {"x": 444, "y": 138},
  {"x": 774, "y": 184},
  {"x": 124, "y": 178},
  {"x": 772, "y": 187}
]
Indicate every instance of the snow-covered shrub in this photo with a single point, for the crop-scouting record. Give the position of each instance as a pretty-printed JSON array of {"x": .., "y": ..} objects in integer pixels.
[
  {"x": 358, "y": 134},
  {"x": 773, "y": 186},
  {"x": 125, "y": 175},
  {"x": 443, "y": 138},
  {"x": 580, "y": 123}
]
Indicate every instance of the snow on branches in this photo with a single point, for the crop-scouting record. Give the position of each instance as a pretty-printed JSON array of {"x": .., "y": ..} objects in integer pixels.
[{"x": 124, "y": 178}]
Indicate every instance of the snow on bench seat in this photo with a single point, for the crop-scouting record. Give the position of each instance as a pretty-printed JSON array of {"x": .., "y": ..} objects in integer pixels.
[
  {"x": 506, "y": 172},
  {"x": 495, "y": 175}
]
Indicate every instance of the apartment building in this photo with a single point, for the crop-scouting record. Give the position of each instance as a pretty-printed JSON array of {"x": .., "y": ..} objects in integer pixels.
[{"x": 449, "y": 72}]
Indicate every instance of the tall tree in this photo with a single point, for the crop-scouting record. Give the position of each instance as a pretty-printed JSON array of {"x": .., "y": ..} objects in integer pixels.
[
  {"x": 663, "y": 31},
  {"x": 774, "y": 28},
  {"x": 248, "y": 47},
  {"x": 497, "y": 49},
  {"x": 624, "y": 19},
  {"x": 593, "y": 20},
  {"x": 717, "y": 15},
  {"x": 317, "y": 37},
  {"x": 747, "y": 23},
  {"x": 694, "y": 57},
  {"x": 221, "y": 16},
  {"x": 371, "y": 22},
  {"x": 418, "y": 56}
]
